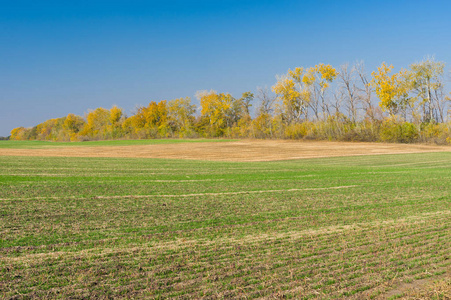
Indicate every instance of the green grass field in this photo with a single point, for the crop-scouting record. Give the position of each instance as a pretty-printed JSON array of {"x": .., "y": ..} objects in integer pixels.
[
  {"x": 154, "y": 228},
  {"x": 48, "y": 144}
]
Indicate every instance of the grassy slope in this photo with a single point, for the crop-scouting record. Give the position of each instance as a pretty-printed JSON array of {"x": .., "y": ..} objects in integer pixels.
[
  {"x": 158, "y": 228},
  {"x": 48, "y": 144}
]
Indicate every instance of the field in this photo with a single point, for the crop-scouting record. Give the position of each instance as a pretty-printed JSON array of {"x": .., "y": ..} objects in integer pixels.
[
  {"x": 255, "y": 226},
  {"x": 202, "y": 149}
]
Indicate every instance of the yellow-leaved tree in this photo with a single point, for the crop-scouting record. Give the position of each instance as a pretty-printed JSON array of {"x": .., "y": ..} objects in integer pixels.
[
  {"x": 181, "y": 116},
  {"x": 17, "y": 134},
  {"x": 97, "y": 124},
  {"x": 318, "y": 80},
  {"x": 216, "y": 110},
  {"x": 116, "y": 119},
  {"x": 72, "y": 126},
  {"x": 148, "y": 122},
  {"x": 392, "y": 89},
  {"x": 292, "y": 90}
]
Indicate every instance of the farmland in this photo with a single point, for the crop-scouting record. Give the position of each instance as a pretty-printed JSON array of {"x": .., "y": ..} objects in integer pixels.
[{"x": 327, "y": 227}]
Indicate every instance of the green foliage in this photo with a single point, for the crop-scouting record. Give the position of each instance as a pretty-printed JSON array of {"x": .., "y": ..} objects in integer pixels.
[
  {"x": 50, "y": 144},
  {"x": 393, "y": 130}
]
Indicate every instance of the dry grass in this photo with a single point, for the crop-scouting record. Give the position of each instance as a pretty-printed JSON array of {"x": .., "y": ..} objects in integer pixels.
[
  {"x": 439, "y": 289},
  {"x": 245, "y": 150}
]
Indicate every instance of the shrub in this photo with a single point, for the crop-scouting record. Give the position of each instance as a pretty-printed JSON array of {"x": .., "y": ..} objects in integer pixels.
[
  {"x": 438, "y": 133},
  {"x": 394, "y": 130}
]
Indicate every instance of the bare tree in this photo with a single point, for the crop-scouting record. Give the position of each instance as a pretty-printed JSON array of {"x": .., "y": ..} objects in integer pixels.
[
  {"x": 318, "y": 79},
  {"x": 364, "y": 90},
  {"x": 348, "y": 90},
  {"x": 267, "y": 101},
  {"x": 266, "y": 108},
  {"x": 426, "y": 79},
  {"x": 441, "y": 101},
  {"x": 338, "y": 100}
]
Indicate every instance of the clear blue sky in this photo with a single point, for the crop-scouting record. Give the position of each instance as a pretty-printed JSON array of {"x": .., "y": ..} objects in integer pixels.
[{"x": 60, "y": 57}]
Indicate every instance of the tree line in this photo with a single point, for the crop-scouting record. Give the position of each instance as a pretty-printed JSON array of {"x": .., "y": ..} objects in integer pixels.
[{"x": 319, "y": 102}]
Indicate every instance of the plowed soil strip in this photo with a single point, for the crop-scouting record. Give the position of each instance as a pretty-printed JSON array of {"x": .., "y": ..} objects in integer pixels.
[{"x": 245, "y": 150}]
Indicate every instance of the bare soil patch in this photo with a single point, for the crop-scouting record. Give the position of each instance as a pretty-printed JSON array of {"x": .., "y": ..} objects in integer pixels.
[
  {"x": 245, "y": 150},
  {"x": 437, "y": 287}
]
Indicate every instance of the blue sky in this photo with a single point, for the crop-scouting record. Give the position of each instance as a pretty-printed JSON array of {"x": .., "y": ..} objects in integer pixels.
[{"x": 58, "y": 57}]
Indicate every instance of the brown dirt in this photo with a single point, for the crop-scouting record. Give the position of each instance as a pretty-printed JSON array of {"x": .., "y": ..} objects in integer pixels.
[
  {"x": 437, "y": 287},
  {"x": 244, "y": 150}
]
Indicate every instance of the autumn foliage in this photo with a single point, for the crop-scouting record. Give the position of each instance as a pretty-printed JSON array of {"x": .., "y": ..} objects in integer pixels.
[{"x": 319, "y": 102}]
